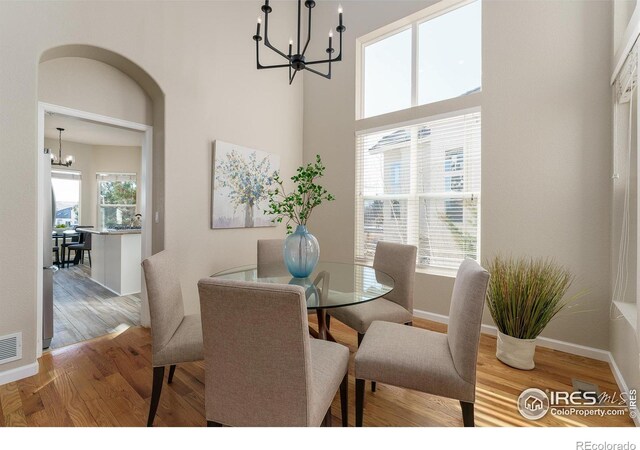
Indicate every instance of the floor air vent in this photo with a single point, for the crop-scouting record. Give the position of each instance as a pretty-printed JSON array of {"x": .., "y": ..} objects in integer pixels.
[{"x": 10, "y": 347}]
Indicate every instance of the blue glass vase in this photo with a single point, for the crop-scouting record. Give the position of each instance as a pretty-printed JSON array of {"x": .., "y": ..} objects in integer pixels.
[{"x": 301, "y": 252}]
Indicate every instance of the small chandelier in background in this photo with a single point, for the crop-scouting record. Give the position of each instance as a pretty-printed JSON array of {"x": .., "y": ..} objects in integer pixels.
[
  {"x": 297, "y": 61},
  {"x": 57, "y": 160}
]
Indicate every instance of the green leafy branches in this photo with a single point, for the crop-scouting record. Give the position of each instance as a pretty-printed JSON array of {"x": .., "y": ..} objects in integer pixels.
[{"x": 297, "y": 205}]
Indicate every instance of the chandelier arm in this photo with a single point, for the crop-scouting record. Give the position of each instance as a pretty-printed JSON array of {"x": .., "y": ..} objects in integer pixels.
[
  {"x": 59, "y": 145},
  {"x": 266, "y": 38},
  {"x": 329, "y": 60},
  {"x": 308, "y": 34},
  {"x": 292, "y": 76},
  {"x": 327, "y": 75},
  {"x": 260, "y": 66}
]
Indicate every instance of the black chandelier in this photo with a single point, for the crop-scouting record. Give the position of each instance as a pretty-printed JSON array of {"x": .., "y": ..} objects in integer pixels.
[
  {"x": 296, "y": 61},
  {"x": 57, "y": 160}
]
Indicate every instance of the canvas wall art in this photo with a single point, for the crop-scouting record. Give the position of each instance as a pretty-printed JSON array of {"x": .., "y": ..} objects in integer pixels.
[{"x": 241, "y": 177}]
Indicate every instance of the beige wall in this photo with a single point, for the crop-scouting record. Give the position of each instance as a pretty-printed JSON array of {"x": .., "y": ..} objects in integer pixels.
[
  {"x": 202, "y": 57},
  {"x": 93, "y": 159},
  {"x": 546, "y": 131},
  {"x": 93, "y": 86}
]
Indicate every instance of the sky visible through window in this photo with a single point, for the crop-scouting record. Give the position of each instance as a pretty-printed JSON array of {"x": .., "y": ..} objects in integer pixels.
[
  {"x": 387, "y": 75},
  {"x": 449, "y": 62}
]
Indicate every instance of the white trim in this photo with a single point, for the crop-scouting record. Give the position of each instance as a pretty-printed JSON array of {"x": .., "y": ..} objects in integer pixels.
[
  {"x": 11, "y": 375},
  {"x": 442, "y": 109},
  {"x": 622, "y": 385},
  {"x": 416, "y": 121},
  {"x": 119, "y": 294},
  {"x": 554, "y": 344},
  {"x": 145, "y": 201},
  {"x": 630, "y": 36}
]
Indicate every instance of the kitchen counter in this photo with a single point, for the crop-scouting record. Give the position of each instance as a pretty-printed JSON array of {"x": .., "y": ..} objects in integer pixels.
[
  {"x": 106, "y": 231},
  {"x": 115, "y": 259}
]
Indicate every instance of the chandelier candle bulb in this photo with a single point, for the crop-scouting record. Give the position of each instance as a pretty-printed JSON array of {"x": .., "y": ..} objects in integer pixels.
[
  {"x": 340, "y": 15},
  {"x": 258, "y": 26}
]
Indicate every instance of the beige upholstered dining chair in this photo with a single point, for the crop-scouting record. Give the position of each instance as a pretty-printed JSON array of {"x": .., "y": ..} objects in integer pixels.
[
  {"x": 271, "y": 258},
  {"x": 399, "y": 262},
  {"x": 270, "y": 251},
  {"x": 176, "y": 338},
  {"x": 261, "y": 366},
  {"x": 436, "y": 363}
]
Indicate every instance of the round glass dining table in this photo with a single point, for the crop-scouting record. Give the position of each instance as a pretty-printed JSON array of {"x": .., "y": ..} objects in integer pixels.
[{"x": 331, "y": 285}]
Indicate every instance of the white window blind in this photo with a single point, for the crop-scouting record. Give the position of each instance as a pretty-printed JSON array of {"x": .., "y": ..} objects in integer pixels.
[
  {"x": 420, "y": 185},
  {"x": 114, "y": 177},
  {"x": 66, "y": 175},
  {"x": 627, "y": 78}
]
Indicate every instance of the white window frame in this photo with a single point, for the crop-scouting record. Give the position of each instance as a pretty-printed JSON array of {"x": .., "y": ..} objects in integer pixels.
[
  {"x": 99, "y": 206},
  {"x": 410, "y": 22},
  {"x": 413, "y": 115}
]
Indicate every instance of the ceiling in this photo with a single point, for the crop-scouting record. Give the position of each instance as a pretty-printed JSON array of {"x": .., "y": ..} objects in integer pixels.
[{"x": 84, "y": 132}]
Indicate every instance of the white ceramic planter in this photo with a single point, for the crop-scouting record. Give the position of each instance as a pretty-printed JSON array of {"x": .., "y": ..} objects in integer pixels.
[{"x": 516, "y": 352}]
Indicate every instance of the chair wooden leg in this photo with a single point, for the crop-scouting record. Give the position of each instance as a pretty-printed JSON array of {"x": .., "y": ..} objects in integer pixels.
[
  {"x": 467, "y": 414},
  {"x": 326, "y": 422},
  {"x": 344, "y": 400},
  {"x": 89, "y": 253},
  {"x": 373, "y": 383},
  {"x": 172, "y": 370},
  {"x": 359, "y": 401},
  {"x": 211, "y": 423},
  {"x": 328, "y": 322},
  {"x": 158, "y": 378}
]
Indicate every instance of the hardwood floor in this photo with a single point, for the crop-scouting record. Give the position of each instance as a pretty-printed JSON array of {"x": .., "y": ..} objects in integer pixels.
[
  {"x": 82, "y": 309},
  {"x": 107, "y": 382}
]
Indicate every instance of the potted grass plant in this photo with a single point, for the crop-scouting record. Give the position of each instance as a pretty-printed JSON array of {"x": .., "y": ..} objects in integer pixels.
[{"x": 524, "y": 294}]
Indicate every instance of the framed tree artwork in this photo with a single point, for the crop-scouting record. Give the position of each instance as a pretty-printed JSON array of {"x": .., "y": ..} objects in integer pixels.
[{"x": 240, "y": 182}]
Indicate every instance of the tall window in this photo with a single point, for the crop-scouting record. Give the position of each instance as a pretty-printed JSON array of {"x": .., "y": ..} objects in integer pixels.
[
  {"x": 66, "y": 192},
  {"x": 420, "y": 185},
  {"x": 116, "y": 199},
  {"x": 431, "y": 58}
]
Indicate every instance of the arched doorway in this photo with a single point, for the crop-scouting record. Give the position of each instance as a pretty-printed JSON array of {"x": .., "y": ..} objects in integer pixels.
[{"x": 153, "y": 152}]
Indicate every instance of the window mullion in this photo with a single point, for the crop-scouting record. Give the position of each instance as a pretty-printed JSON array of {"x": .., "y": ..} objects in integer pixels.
[
  {"x": 413, "y": 204},
  {"x": 414, "y": 64}
]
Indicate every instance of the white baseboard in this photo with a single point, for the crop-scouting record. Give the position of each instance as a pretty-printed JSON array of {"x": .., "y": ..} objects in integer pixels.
[
  {"x": 568, "y": 347},
  {"x": 554, "y": 344},
  {"x": 622, "y": 385},
  {"x": 18, "y": 373}
]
